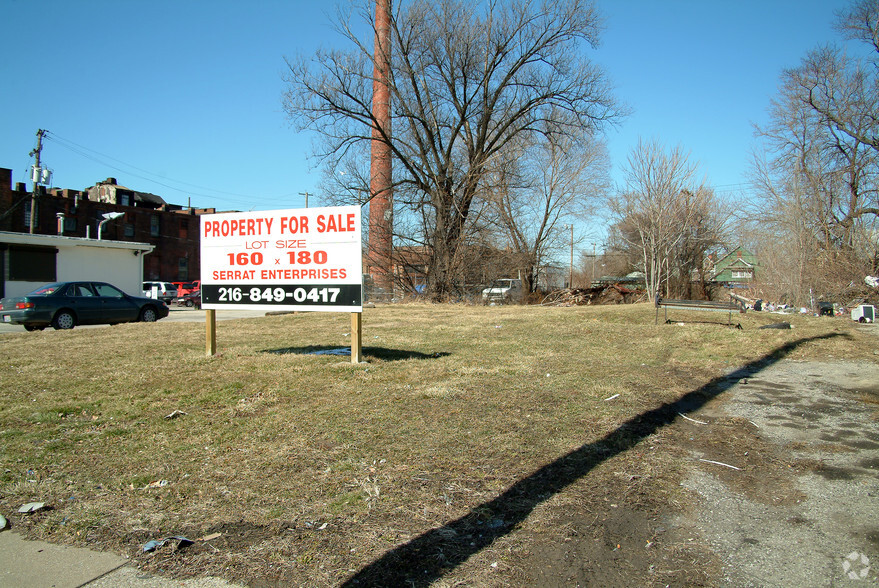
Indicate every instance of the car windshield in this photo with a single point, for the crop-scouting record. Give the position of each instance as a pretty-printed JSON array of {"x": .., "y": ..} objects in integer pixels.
[
  {"x": 501, "y": 284},
  {"x": 45, "y": 290}
]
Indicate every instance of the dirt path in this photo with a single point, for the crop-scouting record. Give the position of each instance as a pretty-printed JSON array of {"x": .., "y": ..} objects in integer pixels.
[{"x": 803, "y": 510}]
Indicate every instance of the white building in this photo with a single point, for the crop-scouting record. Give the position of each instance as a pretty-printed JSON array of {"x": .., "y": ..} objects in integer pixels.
[{"x": 29, "y": 261}]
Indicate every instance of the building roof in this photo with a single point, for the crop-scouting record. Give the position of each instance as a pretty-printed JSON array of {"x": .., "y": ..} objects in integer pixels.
[{"x": 58, "y": 240}]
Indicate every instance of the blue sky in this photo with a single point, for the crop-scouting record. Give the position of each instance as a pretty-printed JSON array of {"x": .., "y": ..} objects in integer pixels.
[{"x": 183, "y": 98}]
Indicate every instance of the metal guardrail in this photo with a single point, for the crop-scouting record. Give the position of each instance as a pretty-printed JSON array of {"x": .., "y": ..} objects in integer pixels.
[{"x": 734, "y": 304}]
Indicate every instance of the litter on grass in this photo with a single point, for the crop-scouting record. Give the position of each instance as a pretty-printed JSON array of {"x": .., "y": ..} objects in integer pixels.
[
  {"x": 720, "y": 463},
  {"x": 156, "y": 543}
]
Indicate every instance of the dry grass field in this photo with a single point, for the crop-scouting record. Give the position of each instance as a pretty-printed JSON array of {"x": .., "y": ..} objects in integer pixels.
[{"x": 462, "y": 452}]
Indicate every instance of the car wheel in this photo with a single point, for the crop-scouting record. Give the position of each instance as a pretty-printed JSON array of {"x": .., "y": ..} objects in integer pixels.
[
  {"x": 64, "y": 320},
  {"x": 149, "y": 315},
  {"x": 189, "y": 303}
]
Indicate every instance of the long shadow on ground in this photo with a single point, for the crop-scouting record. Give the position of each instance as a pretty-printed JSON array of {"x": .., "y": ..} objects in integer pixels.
[
  {"x": 429, "y": 556},
  {"x": 382, "y": 353}
]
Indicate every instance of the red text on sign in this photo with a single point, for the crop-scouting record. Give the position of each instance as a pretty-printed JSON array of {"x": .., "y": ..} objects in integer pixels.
[{"x": 335, "y": 223}]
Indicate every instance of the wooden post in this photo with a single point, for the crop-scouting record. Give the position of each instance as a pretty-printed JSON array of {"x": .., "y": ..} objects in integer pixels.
[
  {"x": 356, "y": 337},
  {"x": 210, "y": 325}
]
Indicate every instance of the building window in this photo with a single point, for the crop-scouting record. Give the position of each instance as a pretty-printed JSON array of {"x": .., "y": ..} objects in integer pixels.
[
  {"x": 32, "y": 264},
  {"x": 129, "y": 229},
  {"x": 125, "y": 200},
  {"x": 69, "y": 224},
  {"x": 184, "y": 228},
  {"x": 741, "y": 274},
  {"x": 154, "y": 225},
  {"x": 183, "y": 269},
  {"x": 27, "y": 214}
]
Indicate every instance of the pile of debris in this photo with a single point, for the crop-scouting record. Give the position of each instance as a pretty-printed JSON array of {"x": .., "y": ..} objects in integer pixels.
[{"x": 611, "y": 294}]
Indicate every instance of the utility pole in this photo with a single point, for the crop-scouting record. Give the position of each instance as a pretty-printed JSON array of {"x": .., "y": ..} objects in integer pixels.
[
  {"x": 306, "y": 194},
  {"x": 593, "y": 262},
  {"x": 571, "y": 272},
  {"x": 36, "y": 176}
]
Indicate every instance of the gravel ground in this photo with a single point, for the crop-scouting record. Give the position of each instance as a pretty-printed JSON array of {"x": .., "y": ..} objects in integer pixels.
[{"x": 813, "y": 517}]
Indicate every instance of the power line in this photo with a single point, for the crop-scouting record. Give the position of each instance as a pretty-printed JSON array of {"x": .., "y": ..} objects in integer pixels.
[{"x": 149, "y": 176}]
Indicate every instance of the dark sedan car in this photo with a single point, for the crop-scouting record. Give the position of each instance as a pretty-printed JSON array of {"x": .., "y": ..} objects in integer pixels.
[{"x": 66, "y": 304}]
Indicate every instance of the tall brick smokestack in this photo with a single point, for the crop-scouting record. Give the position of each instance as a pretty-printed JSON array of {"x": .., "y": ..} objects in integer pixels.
[{"x": 381, "y": 210}]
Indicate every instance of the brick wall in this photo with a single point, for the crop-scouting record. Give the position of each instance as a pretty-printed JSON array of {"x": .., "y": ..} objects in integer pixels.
[{"x": 173, "y": 230}]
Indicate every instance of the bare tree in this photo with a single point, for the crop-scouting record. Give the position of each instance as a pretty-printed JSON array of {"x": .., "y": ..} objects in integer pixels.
[
  {"x": 818, "y": 178},
  {"x": 467, "y": 80},
  {"x": 842, "y": 90},
  {"x": 660, "y": 210},
  {"x": 535, "y": 200}
]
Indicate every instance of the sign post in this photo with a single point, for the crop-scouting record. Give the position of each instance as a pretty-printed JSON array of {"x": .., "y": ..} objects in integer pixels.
[
  {"x": 356, "y": 337},
  {"x": 210, "y": 325},
  {"x": 297, "y": 259}
]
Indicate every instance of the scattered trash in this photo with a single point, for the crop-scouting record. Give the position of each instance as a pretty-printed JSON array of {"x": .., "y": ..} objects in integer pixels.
[
  {"x": 322, "y": 527},
  {"x": 210, "y": 537},
  {"x": 611, "y": 397},
  {"x": 156, "y": 484},
  {"x": 3, "y": 522},
  {"x": 156, "y": 543},
  {"x": 721, "y": 464},
  {"x": 612, "y": 294},
  {"x": 175, "y": 414},
  {"x": 691, "y": 420},
  {"x": 776, "y": 326},
  {"x": 864, "y": 313},
  {"x": 32, "y": 507}
]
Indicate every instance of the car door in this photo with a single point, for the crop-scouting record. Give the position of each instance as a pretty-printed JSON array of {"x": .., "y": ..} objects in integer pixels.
[
  {"x": 84, "y": 302},
  {"x": 116, "y": 307}
]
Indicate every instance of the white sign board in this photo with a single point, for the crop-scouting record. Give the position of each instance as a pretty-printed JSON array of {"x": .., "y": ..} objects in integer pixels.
[{"x": 297, "y": 259}]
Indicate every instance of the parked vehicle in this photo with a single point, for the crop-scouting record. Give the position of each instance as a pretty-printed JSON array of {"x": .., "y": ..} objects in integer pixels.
[
  {"x": 165, "y": 291},
  {"x": 184, "y": 288},
  {"x": 63, "y": 305},
  {"x": 190, "y": 300},
  {"x": 505, "y": 290}
]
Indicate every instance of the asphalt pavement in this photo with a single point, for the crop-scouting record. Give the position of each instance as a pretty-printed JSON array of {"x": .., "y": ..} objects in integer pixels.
[{"x": 177, "y": 314}]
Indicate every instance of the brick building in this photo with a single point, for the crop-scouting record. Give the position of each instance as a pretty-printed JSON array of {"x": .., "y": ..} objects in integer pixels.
[{"x": 172, "y": 229}]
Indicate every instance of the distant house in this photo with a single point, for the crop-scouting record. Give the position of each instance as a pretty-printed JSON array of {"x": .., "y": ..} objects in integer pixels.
[{"x": 738, "y": 267}]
